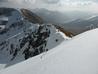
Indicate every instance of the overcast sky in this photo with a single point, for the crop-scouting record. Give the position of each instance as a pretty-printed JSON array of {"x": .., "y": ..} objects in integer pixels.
[{"x": 60, "y": 5}]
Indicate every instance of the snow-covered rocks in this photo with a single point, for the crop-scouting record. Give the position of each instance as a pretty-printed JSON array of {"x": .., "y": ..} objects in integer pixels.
[{"x": 22, "y": 39}]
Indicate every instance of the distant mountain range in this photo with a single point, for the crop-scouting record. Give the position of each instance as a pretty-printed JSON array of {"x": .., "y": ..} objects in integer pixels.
[
  {"x": 75, "y": 22},
  {"x": 81, "y": 25},
  {"x": 57, "y": 17}
]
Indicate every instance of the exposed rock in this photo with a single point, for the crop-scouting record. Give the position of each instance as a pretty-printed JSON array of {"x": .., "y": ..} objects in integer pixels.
[
  {"x": 31, "y": 16},
  {"x": 22, "y": 38}
]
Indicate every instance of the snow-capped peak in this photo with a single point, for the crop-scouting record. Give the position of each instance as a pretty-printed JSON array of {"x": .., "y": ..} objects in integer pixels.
[
  {"x": 24, "y": 37},
  {"x": 89, "y": 18}
]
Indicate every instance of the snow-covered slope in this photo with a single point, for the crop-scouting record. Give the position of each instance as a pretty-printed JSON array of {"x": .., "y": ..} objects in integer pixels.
[
  {"x": 22, "y": 39},
  {"x": 77, "y": 56}
]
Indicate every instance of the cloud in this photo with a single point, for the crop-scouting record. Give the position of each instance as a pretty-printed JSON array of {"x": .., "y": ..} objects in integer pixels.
[
  {"x": 51, "y": 1},
  {"x": 58, "y": 5}
]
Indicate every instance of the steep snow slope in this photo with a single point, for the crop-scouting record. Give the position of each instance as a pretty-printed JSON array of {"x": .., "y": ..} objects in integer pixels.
[
  {"x": 30, "y": 43},
  {"x": 22, "y": 39},
  {"x": 78, "y": 56}
]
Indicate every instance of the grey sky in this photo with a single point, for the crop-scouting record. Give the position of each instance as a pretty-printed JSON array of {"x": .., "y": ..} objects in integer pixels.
[
  {"x": 3, "y": 0},
  {"x": 51, "y": 1},
  {"x": 61, "y": 5}
]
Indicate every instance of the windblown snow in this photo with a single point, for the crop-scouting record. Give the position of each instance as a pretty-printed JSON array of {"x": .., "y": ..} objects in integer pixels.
[{"x": 76, "y": 56}]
